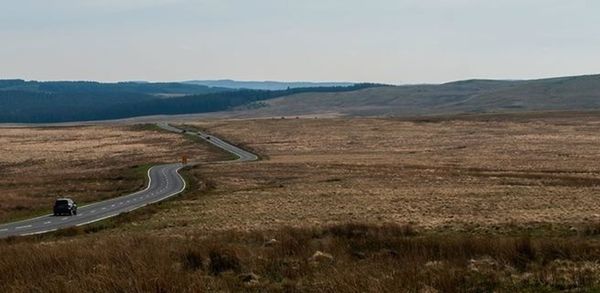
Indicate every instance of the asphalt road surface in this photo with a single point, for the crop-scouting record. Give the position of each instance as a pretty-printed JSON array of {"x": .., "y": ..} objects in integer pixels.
[
  {"x": 164, "y": 182},
  {"x": 243, "y": 155}
]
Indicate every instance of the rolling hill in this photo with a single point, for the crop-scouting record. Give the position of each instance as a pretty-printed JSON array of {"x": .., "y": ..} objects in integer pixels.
[
  {"x": 47, "y": 102},
  {"x": 469, "y": 96}
]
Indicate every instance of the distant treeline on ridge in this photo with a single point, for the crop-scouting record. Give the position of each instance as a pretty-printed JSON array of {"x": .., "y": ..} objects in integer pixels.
[{"x": 47, "y": 102}]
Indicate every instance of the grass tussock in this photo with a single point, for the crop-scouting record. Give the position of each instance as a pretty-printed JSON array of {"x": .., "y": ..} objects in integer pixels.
[{"x": 341, "y": 258}]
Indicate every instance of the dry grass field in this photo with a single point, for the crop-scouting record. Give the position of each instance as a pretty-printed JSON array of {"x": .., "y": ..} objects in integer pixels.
[
  {"x": 475, "y": 174},
  {"x": 470, "y": 204},
  {"x": 88, "y": 163},
  {"x": 341, "y": 258}
]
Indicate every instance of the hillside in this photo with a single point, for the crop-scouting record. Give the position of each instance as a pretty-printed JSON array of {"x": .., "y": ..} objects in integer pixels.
[
  {"x": 470, "y": 96},
  {"x": 43, "y": 102},
  {"x": 47, "y": 102}
]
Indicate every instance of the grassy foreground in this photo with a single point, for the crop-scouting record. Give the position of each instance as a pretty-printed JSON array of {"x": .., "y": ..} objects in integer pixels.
[{"x": 340, "y": 258}]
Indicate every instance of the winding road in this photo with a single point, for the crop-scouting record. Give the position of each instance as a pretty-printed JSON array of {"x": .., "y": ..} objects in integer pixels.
[{"x": 164, "y": 181}]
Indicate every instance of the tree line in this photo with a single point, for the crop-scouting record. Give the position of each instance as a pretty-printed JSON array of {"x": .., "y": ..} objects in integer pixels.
[{"x": 53, "y": 103}]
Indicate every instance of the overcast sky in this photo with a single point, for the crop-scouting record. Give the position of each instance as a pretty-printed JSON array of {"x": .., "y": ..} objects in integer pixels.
[{"x": 392, "y": 41}]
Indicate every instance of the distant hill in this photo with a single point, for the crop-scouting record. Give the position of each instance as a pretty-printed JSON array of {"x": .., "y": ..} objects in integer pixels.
[
  {"x": 43, "y": 102},
  {"x": 46, "y": 102},
  {"x": 92, "y": 87},
  {"x": 265, "y": 85},
  {"x": 469, "y": 96}
]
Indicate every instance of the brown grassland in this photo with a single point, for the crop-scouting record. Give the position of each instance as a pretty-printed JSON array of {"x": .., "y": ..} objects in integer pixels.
[
  {"x": 470, "y": 204},
  {"x": 462, "y": 174},
  {"x": 354, "y": 258},
  {"x": 88, "y": 163}
]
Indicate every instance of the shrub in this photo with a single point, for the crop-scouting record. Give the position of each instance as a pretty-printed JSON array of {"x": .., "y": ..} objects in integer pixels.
[
  {"x": 222, "y": 260},
  {"x": 192, "y": 260}
]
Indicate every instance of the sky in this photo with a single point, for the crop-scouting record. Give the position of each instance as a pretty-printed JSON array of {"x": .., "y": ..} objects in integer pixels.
[{"x": 388, "y": 41}]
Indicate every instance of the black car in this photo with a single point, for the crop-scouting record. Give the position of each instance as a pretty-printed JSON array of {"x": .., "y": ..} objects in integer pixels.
[{"x": 65, "y": 206}]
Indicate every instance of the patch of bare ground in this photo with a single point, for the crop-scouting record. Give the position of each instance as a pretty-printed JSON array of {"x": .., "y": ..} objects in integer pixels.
[
  {"x": 88, "y": 163},
  {"x": 452, "y": 174}
]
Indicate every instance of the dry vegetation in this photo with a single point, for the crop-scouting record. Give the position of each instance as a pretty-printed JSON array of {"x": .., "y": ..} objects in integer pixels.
[
  {"x": 88, "y": 163},
  {"x": 342, "y": 258},
  {"x": 477, "y": 174},
  {"x": 352, "y": 205}
]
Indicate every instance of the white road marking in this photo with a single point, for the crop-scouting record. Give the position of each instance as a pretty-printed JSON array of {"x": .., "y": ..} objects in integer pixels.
[
  {"x": 48, "y": 222},
  {"x": 2, "y": 230},
  {"x": 103, "y": 208},
  {"x": 97, "y": 220},
  {"x": 64, "y": 218},
  {"x": 23, "y": 227},
  {"x": 40, "y": 232}
]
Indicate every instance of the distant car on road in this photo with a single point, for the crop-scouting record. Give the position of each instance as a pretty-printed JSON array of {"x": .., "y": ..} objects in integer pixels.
[{"x": 65, "y": 206}]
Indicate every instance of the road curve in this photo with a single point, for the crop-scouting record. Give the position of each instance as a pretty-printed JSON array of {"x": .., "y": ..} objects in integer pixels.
[
  {"x": 164, "y": 182},
  {"x": 243, "y": 155}
]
